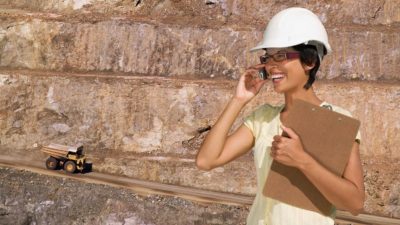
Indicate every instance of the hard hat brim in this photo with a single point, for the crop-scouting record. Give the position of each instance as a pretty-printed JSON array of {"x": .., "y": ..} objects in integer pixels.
[{"x": 262, "y": 46}]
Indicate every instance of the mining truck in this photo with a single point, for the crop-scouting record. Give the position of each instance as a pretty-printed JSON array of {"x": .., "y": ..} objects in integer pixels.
[{"x": 67, "y": 157}]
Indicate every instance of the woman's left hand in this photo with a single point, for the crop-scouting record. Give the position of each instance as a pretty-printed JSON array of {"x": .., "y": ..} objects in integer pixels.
[{"x": 289, "y": 150}]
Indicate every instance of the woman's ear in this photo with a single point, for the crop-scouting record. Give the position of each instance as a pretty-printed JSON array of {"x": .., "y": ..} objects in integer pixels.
[{"x": 308, "y": 67}]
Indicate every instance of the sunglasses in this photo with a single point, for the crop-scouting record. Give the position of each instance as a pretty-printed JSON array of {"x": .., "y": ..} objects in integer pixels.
[{"x": 279, "y": 57}]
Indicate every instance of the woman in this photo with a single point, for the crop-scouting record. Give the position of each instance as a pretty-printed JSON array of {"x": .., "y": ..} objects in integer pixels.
[{"x": 295, "y": 42}]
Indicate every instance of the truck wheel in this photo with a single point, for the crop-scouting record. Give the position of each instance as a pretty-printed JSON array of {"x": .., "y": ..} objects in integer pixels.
[
  {"x": 70, "y": 166},
  {"x": 51, "y": 163}
]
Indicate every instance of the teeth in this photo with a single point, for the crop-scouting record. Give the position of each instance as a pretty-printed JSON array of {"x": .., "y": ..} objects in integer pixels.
[{"x": 277, "y": 76}]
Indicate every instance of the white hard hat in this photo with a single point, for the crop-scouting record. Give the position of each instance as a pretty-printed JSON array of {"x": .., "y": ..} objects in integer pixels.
[{"x": 294, "y": 26}]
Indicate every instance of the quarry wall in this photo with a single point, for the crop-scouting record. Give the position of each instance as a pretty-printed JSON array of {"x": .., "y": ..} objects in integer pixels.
[{"x": 136, "y": 82}]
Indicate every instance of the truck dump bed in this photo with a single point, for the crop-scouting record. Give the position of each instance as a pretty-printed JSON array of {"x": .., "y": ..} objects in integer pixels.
[{"x": 61, "y": 151}]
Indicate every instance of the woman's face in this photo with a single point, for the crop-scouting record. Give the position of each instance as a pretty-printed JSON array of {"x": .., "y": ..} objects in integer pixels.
[{"x": 288, "y": 75}]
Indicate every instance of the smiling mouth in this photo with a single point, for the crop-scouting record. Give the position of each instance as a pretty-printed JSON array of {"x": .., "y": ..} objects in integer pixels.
[{"x": 277, "y": 77}]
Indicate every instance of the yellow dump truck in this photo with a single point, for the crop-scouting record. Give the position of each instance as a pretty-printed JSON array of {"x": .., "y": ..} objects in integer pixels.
[{"x": 69, "y": 158}]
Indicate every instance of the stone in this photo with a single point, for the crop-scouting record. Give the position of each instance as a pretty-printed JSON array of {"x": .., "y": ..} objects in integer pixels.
[
  {"x": 151, "y": 115},
  {"x": 100, "y": 204},
  {"x": 337, "y": 13},
  {"x": 153, "y": 49},
  {"x": 236, "y": 177}
]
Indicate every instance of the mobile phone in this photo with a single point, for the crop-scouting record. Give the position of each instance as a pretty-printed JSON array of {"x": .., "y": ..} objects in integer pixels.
[{"x": 262, "y": 73}]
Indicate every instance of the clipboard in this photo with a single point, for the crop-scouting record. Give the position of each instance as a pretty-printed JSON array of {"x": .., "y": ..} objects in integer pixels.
[{"x": 328, "y": 137}]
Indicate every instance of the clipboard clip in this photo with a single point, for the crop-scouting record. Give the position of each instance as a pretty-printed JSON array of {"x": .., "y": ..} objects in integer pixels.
[{"x": 329, "y": 107}]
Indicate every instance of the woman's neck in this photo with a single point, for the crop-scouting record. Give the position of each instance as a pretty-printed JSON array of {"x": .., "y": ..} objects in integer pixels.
[{"x": 305, "y": 95}]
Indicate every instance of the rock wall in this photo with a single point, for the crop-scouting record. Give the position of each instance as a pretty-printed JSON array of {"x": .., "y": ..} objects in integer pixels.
[
  {"x": 137, "y": 81},
  {"x": 209, "y": 45}
]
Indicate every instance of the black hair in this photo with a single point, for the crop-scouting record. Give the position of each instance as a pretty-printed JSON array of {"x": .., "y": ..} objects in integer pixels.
[{"x": 309, "y": 56}]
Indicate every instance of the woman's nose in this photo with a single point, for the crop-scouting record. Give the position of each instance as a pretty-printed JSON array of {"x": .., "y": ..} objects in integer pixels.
[{"x": 270, "y": 65}]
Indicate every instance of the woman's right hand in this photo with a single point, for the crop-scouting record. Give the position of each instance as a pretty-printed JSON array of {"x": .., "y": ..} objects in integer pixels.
[{"x": 249, "y": 84}]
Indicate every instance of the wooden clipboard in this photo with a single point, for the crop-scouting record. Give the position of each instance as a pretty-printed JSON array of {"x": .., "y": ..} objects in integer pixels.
[{"x": 326, "y": 135}]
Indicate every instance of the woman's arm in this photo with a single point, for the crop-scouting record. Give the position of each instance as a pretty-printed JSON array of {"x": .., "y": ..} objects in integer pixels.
[
  {"x": 218, "y": 148},
  {"x": 345, "y": 192}
]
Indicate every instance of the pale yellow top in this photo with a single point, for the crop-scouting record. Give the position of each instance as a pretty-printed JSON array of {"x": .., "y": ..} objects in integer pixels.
[{"x": 265, "y": 124}]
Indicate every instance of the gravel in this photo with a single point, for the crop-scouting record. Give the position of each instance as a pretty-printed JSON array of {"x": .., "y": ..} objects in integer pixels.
[{"x": 30, "y": 198}]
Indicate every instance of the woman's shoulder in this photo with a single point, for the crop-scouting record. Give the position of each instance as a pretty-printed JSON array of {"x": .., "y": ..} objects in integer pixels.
[
  {"x": 336, "y": 108},
  {"x": 267, "y": 112},
  {"x": 263, "y": 114}
]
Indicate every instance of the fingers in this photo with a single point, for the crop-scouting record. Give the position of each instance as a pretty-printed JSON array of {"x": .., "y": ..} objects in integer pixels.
[
  {"x": 277, "y": 144},
  {"x": 289, "y": 131},
  {"x": 277, "y": 138},
  {"x": 248, "y": 79},
  {"x": 252, "y": 80},
  {"x": 257, "y": 67},
  {"x": 254, "y": 70},
  {"x": 249, "y": 84},
  {"x": 286, "y": 150},
  {"x": 276, "y": 148},
  {"x": 250, "y": 74},
  {"x": 276, "y": 152},
  {"x": 246, "y": 76},
  {"x": 273, "y": 152}
]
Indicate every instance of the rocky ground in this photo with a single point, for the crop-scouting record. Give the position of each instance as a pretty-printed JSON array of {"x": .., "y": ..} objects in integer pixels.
[{"x": 30, "y": 198}]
